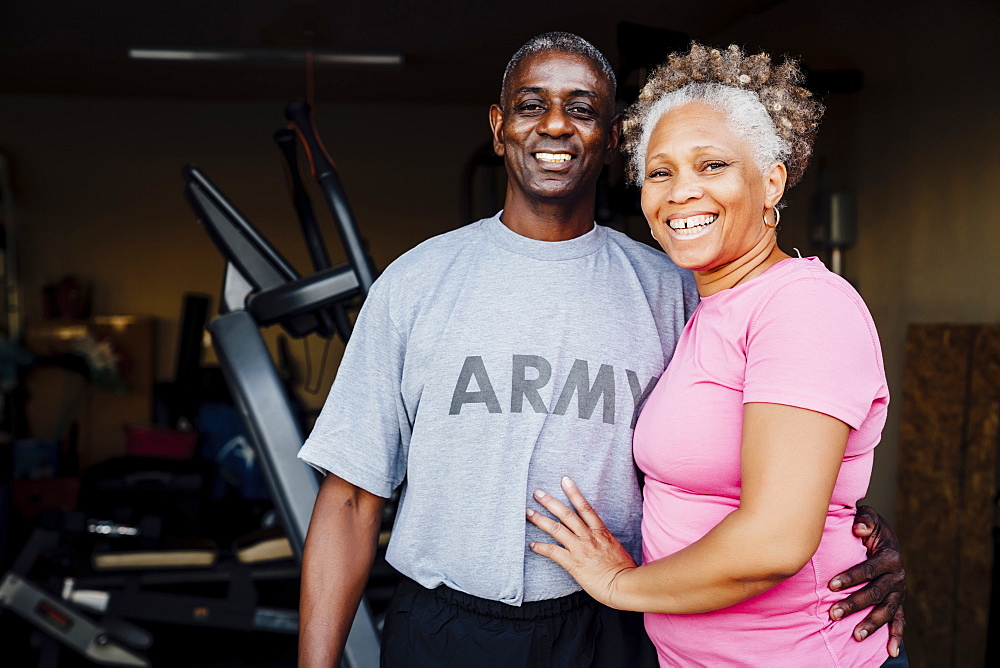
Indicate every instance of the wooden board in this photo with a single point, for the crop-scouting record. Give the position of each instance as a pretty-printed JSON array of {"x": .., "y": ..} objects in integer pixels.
[{"x": 947, "y": 480}]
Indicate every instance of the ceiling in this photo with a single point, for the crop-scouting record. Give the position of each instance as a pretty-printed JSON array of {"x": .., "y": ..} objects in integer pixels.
[{"x": 453, "y": 51}]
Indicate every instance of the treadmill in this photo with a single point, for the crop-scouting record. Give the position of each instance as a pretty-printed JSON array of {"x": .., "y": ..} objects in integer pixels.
[{"x": 260, "y": 288}]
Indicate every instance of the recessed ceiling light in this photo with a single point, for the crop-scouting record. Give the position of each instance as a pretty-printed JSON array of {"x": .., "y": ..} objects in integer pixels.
[{"x": 268, "y": 56}]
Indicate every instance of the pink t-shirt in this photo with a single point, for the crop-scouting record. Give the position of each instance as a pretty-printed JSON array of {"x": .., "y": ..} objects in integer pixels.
[{"x": 797, "y": 335}]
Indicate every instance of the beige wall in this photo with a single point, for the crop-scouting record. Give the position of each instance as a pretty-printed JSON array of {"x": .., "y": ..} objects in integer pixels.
[
  {"x": 920, "y": 147},
  {"x": 99, "y": 193}
]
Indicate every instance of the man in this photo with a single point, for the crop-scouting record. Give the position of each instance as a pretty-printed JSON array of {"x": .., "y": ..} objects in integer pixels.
[{"x": 486, "y": 363}]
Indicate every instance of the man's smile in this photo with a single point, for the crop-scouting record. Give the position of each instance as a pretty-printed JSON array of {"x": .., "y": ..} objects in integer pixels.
[{"x": 554, "y": 158}]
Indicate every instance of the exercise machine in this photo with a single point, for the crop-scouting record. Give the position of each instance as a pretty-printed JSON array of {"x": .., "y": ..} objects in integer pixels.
[
  {"x": 91, "y": 608},
  {"x": 103, "y": 640},
  {"x": 261, "y": 288}
]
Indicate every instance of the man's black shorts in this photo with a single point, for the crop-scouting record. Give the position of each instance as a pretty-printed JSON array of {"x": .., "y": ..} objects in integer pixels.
[{"x": 443, "y": 627}]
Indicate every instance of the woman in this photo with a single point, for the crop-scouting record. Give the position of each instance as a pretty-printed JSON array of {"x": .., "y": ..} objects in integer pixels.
[{"x": 758, "y": 438}]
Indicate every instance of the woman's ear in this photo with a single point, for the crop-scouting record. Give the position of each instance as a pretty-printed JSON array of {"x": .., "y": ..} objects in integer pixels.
[{"x": 774, "y": 186}]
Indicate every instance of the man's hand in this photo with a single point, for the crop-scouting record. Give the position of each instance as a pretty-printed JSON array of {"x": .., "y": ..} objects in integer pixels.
[{"x": 883, "y": 571}]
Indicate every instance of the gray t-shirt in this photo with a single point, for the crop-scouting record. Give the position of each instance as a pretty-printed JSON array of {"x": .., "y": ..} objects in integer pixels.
[{"x": 485, "y": 365}]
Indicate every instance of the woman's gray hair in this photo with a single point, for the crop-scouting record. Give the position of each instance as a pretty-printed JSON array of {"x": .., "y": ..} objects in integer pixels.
[
  {"x": 740, "y": 85},
  {"x": 746, "y": 115}
]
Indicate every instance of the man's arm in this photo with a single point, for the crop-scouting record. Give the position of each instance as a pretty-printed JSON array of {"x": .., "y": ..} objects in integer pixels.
[
  {"x": 336, "y": 562},
  {"x": 883, "y": 571}
]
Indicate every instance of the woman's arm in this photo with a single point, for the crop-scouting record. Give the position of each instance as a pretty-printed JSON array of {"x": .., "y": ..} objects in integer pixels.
[{"x": 790, "y": 459}]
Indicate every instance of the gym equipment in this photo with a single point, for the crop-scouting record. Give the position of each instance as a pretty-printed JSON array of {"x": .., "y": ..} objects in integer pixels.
[
  {"x": 63, "y": 623},
  {"x": 126, "y": 595},
  {"x": 261, "y": 288},
  {"x": 13, "y": 315},
  {"x": 484, "y": 182},
  {"x": 833, "y": 223},
  {"x": 185, "y": 391},
  {"x": 92, "y": 613},
  {"x": 107, "y": 641}
]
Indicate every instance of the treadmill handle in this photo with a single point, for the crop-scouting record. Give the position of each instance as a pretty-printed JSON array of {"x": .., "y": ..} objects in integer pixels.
[{"x": 299, "y": 112}]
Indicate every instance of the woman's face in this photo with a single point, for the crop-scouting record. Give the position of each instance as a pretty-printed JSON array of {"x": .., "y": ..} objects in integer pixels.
[{"x": 702, "y": 193}]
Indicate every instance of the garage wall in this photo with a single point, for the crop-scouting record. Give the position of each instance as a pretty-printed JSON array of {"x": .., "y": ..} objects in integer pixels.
[
  {"x": 919, "y": 146},
  {"x": 98, "y": 190}
]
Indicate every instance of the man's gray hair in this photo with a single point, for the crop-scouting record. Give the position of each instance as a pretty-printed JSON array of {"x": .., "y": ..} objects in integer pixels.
[
  {"x": 560, "y": 42},
  {"x": 743, "y": 109}
]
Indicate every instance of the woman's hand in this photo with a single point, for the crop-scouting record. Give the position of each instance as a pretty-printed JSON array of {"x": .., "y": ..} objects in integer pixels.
[{"x": 589, "y": 552}]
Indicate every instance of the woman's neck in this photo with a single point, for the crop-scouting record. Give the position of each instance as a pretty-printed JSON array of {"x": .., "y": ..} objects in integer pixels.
[{"x": 751, "y": 264}]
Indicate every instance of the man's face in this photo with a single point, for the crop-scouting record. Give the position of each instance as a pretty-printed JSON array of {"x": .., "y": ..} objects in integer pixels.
[{"x": 556, "y": 131}]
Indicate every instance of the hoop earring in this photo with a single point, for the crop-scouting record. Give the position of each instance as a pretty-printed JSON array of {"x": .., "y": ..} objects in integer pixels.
[{"x": 777, "y": 219}]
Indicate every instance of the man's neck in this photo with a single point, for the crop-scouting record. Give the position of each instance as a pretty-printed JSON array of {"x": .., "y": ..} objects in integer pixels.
[{"x": 556, "y": 220}]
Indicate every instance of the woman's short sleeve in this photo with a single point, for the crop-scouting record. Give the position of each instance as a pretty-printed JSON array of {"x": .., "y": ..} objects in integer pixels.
[{"x": 813, "y": 345}]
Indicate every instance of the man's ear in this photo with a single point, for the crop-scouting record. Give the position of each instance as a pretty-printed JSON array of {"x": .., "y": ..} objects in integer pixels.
[
  {"x": 614, "y": 138},
  {"x": 496, "y": 125}
]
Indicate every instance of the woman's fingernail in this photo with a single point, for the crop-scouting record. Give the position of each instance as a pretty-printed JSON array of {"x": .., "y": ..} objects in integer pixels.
[
  {"x": 836, "y": 613},
  {"x": 836, "y": 583},
  {"x": 862, "y": 634},
  {"x": 539, "y": 494},
  {"x": 529, "y": 512},
  {"x": 568, "y": 482}
]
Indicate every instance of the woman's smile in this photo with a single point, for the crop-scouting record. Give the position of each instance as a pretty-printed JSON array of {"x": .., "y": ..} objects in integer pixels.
[{"x": 691, "y": 226}]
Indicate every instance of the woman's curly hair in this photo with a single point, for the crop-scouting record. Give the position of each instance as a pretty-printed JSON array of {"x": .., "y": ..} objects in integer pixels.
[{"x": 794, "y": 112}]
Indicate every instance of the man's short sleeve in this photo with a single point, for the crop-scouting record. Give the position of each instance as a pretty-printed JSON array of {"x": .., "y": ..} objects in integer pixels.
[
  {"x": 362, "y": 433},
  {"x": 813, "y": 346}
]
